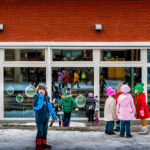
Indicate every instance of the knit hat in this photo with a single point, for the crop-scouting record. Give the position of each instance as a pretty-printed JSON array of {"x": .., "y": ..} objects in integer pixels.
[
  {"x": 139, "y": 88},
  {"x": 68, "y": 91},
  {"x": 42, "y": 86},
  {"x": 125, "y": 89},
  {"x": 110, "y": 91},
  {"x": 59, "y": 73},
  {"x": 90, "y": 95}
]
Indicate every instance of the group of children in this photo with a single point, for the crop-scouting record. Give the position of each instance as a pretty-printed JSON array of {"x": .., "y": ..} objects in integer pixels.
[{"x": 121, "y": 107}]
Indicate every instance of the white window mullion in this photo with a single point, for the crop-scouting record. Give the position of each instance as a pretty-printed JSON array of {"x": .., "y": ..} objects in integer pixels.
[
  {"x": 24, "y": 64},
  {"x": 144, "y": 69},
  {"x": 1, "y": 84},
  {"x": 96, "y": 60},
  {"x": 120, "y": 64},
  {"x": 72, "y": 64},
  {"x": 49, "y": 72}
]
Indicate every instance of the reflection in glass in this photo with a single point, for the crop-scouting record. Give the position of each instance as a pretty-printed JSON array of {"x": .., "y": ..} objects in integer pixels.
[
  {"x": 72, "y": 55},
  {"x": 24, "y": 55},
  {"x": 148, "y": 55},
  {"x": 19, "y": 98},
  {"x": 81, "y": 82},
  {"x": 112, "y": 76},
  {"x": 120, "y": 55},
  {"x": 19, "y": 88}
]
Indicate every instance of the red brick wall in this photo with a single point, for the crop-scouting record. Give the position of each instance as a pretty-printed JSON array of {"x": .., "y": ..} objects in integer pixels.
[{"x": 74, "y": 20}]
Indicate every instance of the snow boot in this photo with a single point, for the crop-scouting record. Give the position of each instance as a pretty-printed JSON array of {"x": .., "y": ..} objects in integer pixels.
[
  {"x": 143, "y": 130},
  {"x": 97, "y": 120},
  {"x": 45, "y": 145},
  {"x": 117, "y": 129},
  {"x": 39, "y": 144},
  {"x": 51, "y": 124},
  {"x": 59, "y": 123}
]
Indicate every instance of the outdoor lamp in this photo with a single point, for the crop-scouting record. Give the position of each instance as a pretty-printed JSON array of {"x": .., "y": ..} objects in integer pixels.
[
  {"x": 1, "y": 27},
  {"x": 98, "y": 27}
]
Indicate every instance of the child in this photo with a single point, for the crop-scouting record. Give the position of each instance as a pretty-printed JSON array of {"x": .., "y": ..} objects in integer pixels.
[
  {"x": 125, "y": 110},
  {"x": 90, "y": 101},
  {"x": 142, "y": 110},
  {"x": 116, "y": 96},
  {"x": 76, "y": 78},
  {"x": 68, "y": 104},
  {"x": 110, "y": 111},
  {"x": 43, "y": 108},
  {"x": 55, "y": 104}
]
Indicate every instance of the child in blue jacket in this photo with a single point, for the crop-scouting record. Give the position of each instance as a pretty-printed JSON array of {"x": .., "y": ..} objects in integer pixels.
[{"x": 43, "y": 108}]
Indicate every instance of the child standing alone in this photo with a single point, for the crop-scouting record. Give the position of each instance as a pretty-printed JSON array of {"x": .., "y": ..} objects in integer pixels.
[
  {"x": 68, "y": 103},
  {"x": 142, "y": 111},
  {"x": 43, "y": 108},
  {"x": 125, "y": 110}
]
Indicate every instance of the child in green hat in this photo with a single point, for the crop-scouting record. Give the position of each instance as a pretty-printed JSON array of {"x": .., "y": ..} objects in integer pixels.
[{"x": 142, "y": 110}]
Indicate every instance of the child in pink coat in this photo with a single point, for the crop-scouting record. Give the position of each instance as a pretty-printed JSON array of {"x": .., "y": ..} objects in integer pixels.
[{"x": 125, "y": 110}]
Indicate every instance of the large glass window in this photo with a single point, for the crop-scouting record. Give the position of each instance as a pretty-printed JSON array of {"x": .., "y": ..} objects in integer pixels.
[
  {"x": 120, "y": 55},
  {"x": 24, "y": 55},
  {"x": 72, "y": 55},
  {"x": 19, "y": 89},
  {"x": 112, "y": 76},
  {"x": 148, "y": 55},
  {"x": 81, "y": 82}
]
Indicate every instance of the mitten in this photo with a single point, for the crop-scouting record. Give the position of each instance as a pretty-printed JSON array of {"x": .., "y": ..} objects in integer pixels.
[
  {"x": 41, "y": 96},
  {"x": 76, "y": 109},
  {"x": 142, "y": 113}
]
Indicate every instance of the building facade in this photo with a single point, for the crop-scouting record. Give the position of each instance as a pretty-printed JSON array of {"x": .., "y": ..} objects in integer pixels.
[{"x": 56, "y": 43}]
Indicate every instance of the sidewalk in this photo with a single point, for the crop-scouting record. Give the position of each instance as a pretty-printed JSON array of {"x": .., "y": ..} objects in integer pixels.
[
  {"x": 17, "y": 139},
  {"x": 74, "y": 125}
]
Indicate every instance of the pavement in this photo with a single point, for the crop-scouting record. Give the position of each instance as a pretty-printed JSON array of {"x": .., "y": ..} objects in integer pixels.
[
  {"x": 75, "y": 125},
  {"x": 20, "y": 135},
  {"x": 22, "y": 139}
]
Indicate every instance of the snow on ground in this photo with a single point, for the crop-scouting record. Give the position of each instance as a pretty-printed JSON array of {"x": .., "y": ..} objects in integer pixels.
[
  {"x": 13, "y": 139},
  {"x": 55, "y": 124}
]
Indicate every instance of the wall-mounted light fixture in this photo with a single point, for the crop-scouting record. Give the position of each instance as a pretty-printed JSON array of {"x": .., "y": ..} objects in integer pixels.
[
  {"x": 1, "y": 27},
  {"x": 98, "y": 27}
]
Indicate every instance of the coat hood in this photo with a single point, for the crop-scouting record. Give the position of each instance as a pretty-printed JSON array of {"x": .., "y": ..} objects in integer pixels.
[
  {"x": 124, "y": 99},
  {"x": 66, "y": 97}
]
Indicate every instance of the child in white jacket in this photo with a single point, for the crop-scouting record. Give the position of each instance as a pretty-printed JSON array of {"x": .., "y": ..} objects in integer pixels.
[{"x": 110, "y": 111}]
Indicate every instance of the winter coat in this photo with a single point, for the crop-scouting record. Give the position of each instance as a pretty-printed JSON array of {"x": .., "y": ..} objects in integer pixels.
[
  {"x": 141, "y": 105},
  {"x": 97, "y": 106},
  {"x": 110, "y": 109},
  {"x": 125, "y": 107},
  {"x": 68, "y": 103},
  {"x": 60, "y": 79},
  {"x": 76, "y": 77},
  {"x": 43, "y": 108},
  {"x": 90, "y": 101},
  {"x": 116, "y": 96},
  {"x": 66, "y": 78}
]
